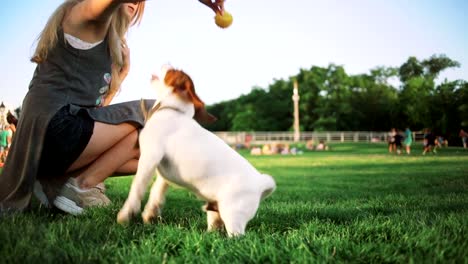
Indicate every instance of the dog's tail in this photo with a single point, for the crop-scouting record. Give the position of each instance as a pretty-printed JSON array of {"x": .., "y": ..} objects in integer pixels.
[{"x": 269, "y": 185}]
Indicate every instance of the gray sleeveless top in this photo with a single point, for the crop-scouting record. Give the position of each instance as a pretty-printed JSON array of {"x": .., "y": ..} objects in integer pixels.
[{"x": 69, "y": 76}]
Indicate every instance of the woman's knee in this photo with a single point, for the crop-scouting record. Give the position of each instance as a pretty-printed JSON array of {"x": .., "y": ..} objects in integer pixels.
[
  {"x": 111, "y": 133},
  {"x": 100, "y": 144},
  {"x": 132, "y": 137},
  {"x": 132, "y": 141}
]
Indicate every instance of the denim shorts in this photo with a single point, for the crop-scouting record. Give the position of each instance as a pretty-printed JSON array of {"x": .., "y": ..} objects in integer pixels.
[{"x": 66, "y": 137}]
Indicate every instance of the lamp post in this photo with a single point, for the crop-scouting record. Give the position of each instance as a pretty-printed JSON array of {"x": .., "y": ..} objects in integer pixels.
[{"x": 295, "y": 98}]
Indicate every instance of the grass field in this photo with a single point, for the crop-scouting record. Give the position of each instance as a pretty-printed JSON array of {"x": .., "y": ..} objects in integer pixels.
[{"x": 354, "y": 204}]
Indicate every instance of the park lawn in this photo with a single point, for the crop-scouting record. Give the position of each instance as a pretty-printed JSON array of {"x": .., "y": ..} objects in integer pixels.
[{"x": 355, "y": 203}]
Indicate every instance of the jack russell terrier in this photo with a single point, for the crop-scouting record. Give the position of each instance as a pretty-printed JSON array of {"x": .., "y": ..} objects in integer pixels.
[{"x": 183, "y": 153}]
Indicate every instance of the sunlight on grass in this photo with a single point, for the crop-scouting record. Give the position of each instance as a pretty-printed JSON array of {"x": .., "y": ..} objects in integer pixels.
[{"x": 355, "y": 203}]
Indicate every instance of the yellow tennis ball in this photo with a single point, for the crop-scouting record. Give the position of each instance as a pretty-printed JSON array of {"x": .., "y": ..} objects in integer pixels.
[{"x": 223, "y": 21}]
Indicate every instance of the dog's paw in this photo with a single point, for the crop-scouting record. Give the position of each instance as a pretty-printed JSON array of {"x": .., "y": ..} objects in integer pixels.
[
  {"x": 124, "y": 217},
  {"x": 128, "y": 211},
  {"x": 150, "y": 215}
]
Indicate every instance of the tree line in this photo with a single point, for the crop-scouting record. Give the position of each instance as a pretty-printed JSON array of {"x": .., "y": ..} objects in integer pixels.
[{"x": 332, "y": 100}]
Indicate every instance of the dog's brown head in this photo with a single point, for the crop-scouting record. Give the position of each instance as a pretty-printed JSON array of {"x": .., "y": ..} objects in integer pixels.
[{"x": 180, "y": 83}]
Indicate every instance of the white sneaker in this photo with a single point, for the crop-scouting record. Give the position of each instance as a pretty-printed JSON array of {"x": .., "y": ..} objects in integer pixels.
[{"x": 72, "y": 199}]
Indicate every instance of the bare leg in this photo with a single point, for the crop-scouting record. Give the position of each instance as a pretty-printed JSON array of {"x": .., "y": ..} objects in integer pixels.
[
  {"x": 128, "y": 168},
  {"x": 110, "y": 149}
]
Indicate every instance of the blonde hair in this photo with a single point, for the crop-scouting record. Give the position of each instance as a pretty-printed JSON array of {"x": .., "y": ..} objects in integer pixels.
[{"x": 116, "y": 35}]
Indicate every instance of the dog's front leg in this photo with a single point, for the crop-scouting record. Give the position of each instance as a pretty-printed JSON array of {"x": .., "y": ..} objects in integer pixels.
[
  {"x": 156, "y": 199},
  {"x": 149, "y": 159}
]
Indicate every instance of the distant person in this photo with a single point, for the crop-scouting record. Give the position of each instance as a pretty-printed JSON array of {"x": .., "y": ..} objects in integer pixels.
[
  {"x": 321, "y": 146},
  {"x": 275, "y": 148},
  {"x": 266, "y": 150},
  {"x": 310, "y": 144},
  {"x": 441, "y": 142},
  {"x": 464, "y": 137},
  {"x": 9, "y": 138},
  {"x": 3, "y": 143},
  {"x": 398, "y": 142},
  {"x": 391, "y": 140},
  {"x": 248, "y": 139},
  {"x": 408, "y": 140},
  {"x": 12, "y": 121},
  {"x": 429, "y": 142},
  {"x": 256, "y": 151},
  {"x": 295, "y": 151},
  {"x": 285, "y": 150}
]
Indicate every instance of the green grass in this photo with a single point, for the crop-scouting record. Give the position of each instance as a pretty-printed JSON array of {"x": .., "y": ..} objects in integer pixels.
[{"x": 356, "y": 203}]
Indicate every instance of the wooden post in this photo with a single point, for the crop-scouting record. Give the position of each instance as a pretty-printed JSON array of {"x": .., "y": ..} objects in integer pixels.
[{"x": 295, "y": 98}]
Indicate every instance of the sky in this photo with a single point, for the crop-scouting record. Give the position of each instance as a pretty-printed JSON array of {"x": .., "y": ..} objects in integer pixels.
[{"x": 268, "y": 40}]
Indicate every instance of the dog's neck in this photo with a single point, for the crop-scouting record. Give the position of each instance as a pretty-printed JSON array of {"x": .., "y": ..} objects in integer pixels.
[{"x": 172, "y": 101}]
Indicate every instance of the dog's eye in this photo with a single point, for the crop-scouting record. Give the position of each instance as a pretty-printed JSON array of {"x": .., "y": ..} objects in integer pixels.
[{"x": 154, "y": 77}]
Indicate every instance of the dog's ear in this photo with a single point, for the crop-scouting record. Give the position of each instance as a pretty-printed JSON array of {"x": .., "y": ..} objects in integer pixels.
[
  {"x": 184, "y": 87},
  {"x": 203, "y": 117}
]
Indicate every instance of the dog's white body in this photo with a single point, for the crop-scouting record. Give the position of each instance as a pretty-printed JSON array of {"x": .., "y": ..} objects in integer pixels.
[{"x": 186, "y": 154}]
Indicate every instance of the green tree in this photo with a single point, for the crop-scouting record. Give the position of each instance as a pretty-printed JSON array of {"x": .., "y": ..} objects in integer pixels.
[
  {"x": 436, "y": 64},
  {"x": 224, "y": 111},
  {"x": 461, "y": 96},
  {"x": 374, "y": 100},
  {"x": 245, "y": 120},
  {"x": 310, "y": 83},
  {"x": 418, "y": 90},
  {"x": 412, "y": 68},
  {"x": 334, "y": 108},
  {"x": 444, "y": 108},
  {"x": 330, "y": 99}
]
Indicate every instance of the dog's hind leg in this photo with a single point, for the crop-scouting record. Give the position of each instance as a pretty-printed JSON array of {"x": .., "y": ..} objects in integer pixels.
[
  {"x": 147, "y": 164},
  {"x": 213, "y": 218},
  {"x": 156, "y": 199}
]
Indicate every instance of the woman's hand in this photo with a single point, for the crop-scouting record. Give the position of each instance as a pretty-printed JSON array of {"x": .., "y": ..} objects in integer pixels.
[
  {"x": 217, "y": 6},
  {"x": 120, "y": 73}
]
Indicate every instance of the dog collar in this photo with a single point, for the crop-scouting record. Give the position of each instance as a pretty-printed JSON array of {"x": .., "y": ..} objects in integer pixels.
[{"x": 157, "y": 107}]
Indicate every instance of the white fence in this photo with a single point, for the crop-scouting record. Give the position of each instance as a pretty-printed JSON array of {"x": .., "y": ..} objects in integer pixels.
[{"x": 233, "y": 138}]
